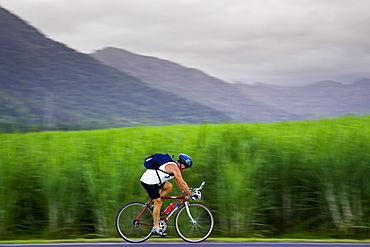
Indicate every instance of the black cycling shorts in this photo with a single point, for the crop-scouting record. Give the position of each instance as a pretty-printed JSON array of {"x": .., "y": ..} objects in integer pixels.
[{"x": 153, "y": 190}]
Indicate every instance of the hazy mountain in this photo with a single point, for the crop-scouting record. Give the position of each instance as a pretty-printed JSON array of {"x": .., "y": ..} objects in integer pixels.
[
  {"x": 192, "y": 84},
  {"x": 362, "y": 84},
  {"x": 247, "y": 103},
  {"x": 321, "y": 99},
  {"x": 45, "y": 82}
]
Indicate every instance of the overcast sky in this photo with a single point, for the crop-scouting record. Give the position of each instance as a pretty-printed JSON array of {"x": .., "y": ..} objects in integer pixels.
[{"x": 271, "y": 41}]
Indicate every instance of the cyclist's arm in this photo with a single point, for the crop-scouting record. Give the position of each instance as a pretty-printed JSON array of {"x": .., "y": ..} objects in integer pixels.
[{"x": 178, "y": 178}]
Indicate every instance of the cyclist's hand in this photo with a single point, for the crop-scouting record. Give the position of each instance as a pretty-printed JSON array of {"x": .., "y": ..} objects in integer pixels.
[{"x": 194, "y": 197}]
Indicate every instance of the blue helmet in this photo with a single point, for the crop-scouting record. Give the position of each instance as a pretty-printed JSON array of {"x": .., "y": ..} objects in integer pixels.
[{"x": 186, "y": 160}]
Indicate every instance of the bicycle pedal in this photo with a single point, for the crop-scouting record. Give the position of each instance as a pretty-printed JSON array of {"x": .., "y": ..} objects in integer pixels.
[{"x": 160, "y": 232}]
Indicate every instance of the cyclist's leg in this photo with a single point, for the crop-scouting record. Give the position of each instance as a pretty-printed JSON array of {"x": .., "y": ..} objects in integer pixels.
[
  {"x": 153, "y": 192},
  {"x": 167, "y": 187},
  {"x": 157, "y": 211}
]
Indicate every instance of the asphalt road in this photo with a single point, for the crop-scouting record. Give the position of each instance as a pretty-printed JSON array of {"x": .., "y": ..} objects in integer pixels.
[{"x": 183, "y": 244}]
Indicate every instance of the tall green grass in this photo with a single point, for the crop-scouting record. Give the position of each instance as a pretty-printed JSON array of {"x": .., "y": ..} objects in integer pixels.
[{"x": 261, "y": 179}]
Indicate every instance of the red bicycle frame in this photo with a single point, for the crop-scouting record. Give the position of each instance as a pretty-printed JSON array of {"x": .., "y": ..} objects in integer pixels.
[{"x": 182, "y": 200}]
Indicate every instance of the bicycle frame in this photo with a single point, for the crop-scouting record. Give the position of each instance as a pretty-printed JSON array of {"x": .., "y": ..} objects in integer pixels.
[{"x": 182, "y": 200}]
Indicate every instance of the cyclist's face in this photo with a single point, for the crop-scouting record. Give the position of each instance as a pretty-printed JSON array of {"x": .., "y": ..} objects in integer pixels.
[{"x": 182, "y": 167}]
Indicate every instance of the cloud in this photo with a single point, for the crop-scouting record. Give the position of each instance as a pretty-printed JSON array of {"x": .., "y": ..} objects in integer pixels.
[{"x": 274, "y": 41}]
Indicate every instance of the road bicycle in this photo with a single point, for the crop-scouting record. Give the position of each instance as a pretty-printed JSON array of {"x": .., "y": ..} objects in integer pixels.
[{"x": 193, "y": 221}]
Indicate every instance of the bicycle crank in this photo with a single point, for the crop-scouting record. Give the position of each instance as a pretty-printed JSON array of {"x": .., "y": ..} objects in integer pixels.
[{"x": 163, "y": 225}]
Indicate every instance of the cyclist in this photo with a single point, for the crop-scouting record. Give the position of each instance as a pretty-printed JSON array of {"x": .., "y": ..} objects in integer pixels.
[{"x": 156, "y": 184}]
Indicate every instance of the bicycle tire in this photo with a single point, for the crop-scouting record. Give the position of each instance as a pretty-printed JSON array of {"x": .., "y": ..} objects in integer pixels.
[
  {"x": 198, "y": 231},
  {"x": 129, "y": 228}
]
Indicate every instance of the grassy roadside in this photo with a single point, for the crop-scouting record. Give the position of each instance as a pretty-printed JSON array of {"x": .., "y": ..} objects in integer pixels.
[{"x": 155, "y": 239}]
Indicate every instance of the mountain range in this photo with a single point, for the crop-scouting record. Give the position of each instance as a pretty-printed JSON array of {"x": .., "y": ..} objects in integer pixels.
[
  {"x": 192, "y": 84},
  {"x": 45, "y": 83},
  {"x": 244, "y": 102},
  {"x": 321, "y": 99}
]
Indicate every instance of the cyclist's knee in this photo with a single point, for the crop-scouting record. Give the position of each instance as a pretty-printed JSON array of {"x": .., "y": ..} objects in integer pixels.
[
  {"x": 167, "y": 186},
  {"x": 158, "y": 202}
]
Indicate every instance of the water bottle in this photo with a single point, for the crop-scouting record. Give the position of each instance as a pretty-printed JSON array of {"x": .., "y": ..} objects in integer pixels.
[{"x": 169, "y": 208}]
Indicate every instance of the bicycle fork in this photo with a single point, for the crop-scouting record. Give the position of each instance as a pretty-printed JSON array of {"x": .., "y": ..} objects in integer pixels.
[{"x": 187, "y": 204}]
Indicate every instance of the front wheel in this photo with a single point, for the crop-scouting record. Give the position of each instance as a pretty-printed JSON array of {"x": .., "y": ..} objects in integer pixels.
[
  {"x": 133, "y": 224},
  {"x": 194, "y": 225}
]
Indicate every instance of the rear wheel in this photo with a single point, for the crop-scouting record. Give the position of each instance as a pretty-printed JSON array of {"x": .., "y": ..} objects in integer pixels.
[
  {"x": 130, "y": 227},
  {"x": 196, "y": 228}
]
